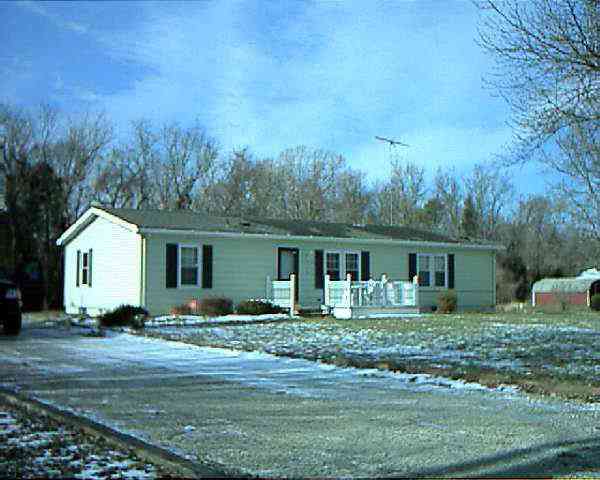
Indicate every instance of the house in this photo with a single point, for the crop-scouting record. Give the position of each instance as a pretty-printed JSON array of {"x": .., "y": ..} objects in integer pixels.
[
  {"x": 160, "y": 259},
  {"x": 572, "y": 290}
]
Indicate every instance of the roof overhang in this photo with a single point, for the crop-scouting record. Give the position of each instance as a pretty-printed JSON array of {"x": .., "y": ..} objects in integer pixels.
[
  {"x": 88, "y": 217},
  {"x": 368, "y": 241}
]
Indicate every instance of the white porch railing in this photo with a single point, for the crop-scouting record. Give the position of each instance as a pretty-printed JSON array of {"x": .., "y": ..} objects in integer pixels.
[
  {"x": 282, "y": 292},
  {"x": 371, "y": 293}
]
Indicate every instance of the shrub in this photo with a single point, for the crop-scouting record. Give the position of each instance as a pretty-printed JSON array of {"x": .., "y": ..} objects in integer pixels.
[
  {"x": 184, "y": 309},
  {"x": 215, "y": 306},
  {"x": 446, "y": 301},
  {"x": 595, "y": 302},
  {"x": 257, "y": 307},
  {"x": 125, "y": 315}
]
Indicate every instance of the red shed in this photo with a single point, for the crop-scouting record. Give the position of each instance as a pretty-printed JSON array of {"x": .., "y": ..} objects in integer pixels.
[{"x": 574, "y": 290}]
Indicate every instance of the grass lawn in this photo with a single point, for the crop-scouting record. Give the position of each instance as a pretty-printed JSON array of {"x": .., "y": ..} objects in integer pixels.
[{"x": 541, "y": 353}]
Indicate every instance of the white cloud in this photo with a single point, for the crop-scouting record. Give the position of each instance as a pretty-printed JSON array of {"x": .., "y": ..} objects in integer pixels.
[
  {"x": 331, "y": 75},
  {"x": 38, "y": 8}
]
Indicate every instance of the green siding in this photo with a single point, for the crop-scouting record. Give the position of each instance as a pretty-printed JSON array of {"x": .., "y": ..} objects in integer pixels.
[{"x": 241, "y": 266}]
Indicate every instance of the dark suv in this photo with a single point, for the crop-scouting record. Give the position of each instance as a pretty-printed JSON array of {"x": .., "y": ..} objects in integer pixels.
[{"x": 10, "y": 307}]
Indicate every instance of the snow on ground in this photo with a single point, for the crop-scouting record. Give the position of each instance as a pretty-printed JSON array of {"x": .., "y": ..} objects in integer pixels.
[
  {"x": 548, "y": 347},
  {"x": 295, "y": 376},
  {"x": 197, "y": 320},
  {"x": 34, "y": 446},
  {"x": 191, "y": 320}
]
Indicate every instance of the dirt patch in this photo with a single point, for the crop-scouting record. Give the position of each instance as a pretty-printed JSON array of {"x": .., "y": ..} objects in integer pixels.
[{"x": 34, "y": 445}]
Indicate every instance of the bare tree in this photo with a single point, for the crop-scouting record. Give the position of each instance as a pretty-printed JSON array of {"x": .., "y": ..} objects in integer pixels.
[
  {"x": 547, "y": 55},
  {"x": 400, "y": 199},
  {"x": 183, "y": 158},
  {"x": 449, "y": 191},
  {"x": 74, "y": 156},
  {"x": 353, "y": 203},
  {"x": 578, "y": 161},
  {"x": 491, "y": 191},
  {"x": 307, "y": 179}
]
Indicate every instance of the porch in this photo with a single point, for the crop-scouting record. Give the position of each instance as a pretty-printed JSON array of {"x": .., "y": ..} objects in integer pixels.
[
  {"x": 352, "y": 299},
  {"x": 355, "y": 299}
]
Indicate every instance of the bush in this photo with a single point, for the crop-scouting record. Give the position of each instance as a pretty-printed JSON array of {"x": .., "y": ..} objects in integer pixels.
[
  {"x": 125, "y": 315},
  {"x": 257, "y": 307},
  {"x": 446, "y": 301},
  {"x": 595, "y": 302},
  {"x": 215, "y": 306},
  {"x": 184, "y": 309}
]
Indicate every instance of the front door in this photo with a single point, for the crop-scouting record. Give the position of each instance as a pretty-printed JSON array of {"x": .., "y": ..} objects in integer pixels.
[{"x": 288, "y": 263}]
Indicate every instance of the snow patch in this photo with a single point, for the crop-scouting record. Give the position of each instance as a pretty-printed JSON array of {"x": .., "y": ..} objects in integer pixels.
[{"x": 197, "y": 320}]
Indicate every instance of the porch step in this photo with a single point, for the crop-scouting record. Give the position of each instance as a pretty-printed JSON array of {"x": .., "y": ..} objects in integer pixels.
[
  {"x": 310, "y": 312},
  {"x": 374, "y": 312}
]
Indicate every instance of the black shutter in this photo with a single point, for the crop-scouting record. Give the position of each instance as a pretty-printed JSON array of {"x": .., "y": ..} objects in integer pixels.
[
  {"x": 412, "y": 266},
  {"x": 90, "y": 268},
  {"x": 365, "y": 266},
  {"x": 171, "y": 265},
  {"x": 451, "y": 270},
  {"x": 78, "y": 268},
  {"x": 207, "y": 266},
  {"x": 319, "y": 277}
]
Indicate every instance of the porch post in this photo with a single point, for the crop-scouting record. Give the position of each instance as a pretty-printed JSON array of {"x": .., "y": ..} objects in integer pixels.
[
  {"x": 269, "y": 289},
  {"x": 292, "y": 294},
  {"x": 326, "y": 293},
  {"x": 416, "y": 288},
  {"x": 384, "y": 293},
  {"x": 349, "y": 289}
]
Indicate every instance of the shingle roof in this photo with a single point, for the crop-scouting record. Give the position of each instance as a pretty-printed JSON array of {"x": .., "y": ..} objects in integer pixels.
[
  {"x": 187, "y": 220},
  {"x": 564, "y": 285}
]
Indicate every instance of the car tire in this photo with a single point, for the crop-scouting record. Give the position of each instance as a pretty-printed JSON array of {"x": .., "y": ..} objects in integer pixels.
[{"x": 13, "y": 325}]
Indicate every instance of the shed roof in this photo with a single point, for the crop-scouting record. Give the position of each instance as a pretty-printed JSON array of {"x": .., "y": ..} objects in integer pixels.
[{"x": 564, "y": 285}]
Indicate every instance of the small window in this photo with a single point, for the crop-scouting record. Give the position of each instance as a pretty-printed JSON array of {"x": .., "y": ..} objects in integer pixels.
[
  {"x": 440, "y": 270},
  {"x": 424, "y": 271},
  {"x": 352, "y": 266},
  {"x": 85, "y": 268},
  {"x": 332, "y": 267},
  {"x": 189, "y": 261}
]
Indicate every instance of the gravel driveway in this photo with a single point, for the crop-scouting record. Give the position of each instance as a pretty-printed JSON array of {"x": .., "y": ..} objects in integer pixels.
[{"x": 273, "y": 416}]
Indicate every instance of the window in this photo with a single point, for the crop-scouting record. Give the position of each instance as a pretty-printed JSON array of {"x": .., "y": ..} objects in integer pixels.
[
  {"x": 189, "y": 270},
  {"x": 340, "y": 263},
  {"x": 352, "y": 266},
  {"x": 332, "y": 265},
  {"x": 440, "y": 270},
  {"x": 424, "y": 273},
  {"x": 84, "y": 268},
  {"x": 432, "y": 270}
]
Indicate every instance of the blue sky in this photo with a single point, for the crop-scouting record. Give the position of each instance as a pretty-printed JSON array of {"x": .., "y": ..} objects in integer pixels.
[{"x": 268, "y": 75}]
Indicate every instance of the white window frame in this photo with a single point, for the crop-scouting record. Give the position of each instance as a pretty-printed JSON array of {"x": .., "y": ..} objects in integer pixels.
[
  {"x": 342, "y": 254},
  {"x": 431, "y": 257},
  {"x": 84, "y": 254},
  {"x": 180, "y": 265}
]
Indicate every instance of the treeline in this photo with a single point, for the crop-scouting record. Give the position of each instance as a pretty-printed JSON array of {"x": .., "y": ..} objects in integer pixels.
[{"x": 54, "y": 166}]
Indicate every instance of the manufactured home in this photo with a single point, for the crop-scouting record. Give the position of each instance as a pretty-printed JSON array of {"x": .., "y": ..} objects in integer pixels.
[{"x": 159, "y": 259}]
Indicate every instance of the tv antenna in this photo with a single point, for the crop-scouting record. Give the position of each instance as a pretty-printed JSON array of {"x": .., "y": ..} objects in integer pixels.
[{"x": 392, "y": 143}]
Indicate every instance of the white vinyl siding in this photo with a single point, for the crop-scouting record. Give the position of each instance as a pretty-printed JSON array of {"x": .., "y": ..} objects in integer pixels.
[{"x": 114, "y": 267}]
